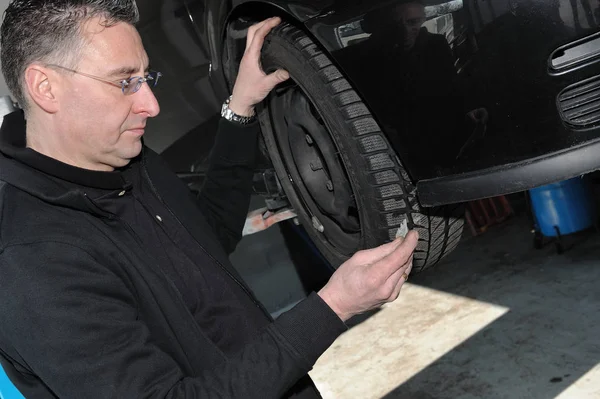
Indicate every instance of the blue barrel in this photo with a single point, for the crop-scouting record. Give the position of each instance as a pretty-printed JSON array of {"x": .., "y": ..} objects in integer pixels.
[{"x": 568, "y": 205}]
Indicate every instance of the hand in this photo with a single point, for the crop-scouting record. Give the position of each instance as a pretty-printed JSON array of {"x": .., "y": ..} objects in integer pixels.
[
  {"x": 370, "y": 278},
  {"x": 252, "y": 84}
]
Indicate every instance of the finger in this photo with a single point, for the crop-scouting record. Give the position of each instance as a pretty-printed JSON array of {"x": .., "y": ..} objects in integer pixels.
[
  {"x": 275, "y": 78},
  {"x": 400, "y": 256},
  {"x": 396, "y": 291},
  {"x": 259, "y": 37},
  {"x": 391, "y": 287},
  {"x": 399, "y": 275},
  {"x": 399, "y": 278},
  {"x": 373, "y": 255},
  {"x": 410, "y": 264},
  {"x": 252, "y": 31}
]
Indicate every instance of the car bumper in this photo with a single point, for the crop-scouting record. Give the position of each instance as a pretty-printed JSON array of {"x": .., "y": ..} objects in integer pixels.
[{"x": 510, "y": 178}]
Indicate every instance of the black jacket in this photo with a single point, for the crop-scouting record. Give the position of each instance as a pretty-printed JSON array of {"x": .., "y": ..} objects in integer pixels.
[{"x": 86, "y": 312}]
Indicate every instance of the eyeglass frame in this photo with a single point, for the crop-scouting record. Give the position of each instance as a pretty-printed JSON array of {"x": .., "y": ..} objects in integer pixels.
[{"x": 122, "y": 84}]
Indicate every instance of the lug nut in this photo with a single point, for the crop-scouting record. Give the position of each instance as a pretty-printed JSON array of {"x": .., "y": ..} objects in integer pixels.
[
  {"x": 329, "y": 185},
  {"x": 309, "y": 139}
]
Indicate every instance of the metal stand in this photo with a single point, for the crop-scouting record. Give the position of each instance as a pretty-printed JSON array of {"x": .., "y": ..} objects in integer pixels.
[
  {"x": 561, "y": 242},
  {"x": 540, "y": 241}
]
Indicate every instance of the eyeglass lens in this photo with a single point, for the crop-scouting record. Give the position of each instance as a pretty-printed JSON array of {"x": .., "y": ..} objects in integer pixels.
[{"x": 134, "y": 84}]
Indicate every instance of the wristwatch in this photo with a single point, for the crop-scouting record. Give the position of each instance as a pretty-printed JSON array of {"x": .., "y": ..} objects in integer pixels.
[{"x": 231, "y": 116}]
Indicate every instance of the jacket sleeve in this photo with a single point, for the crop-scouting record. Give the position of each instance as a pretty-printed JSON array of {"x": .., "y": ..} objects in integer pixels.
[
  {"x": 74, "y": 323},
  {"x": 225, "y": 196}
]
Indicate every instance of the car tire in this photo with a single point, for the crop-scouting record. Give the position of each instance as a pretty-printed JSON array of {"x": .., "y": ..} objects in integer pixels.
[{"x": 383, "y": 195}]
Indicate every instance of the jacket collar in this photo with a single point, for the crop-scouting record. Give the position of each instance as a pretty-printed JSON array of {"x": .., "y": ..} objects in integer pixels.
[
  {"x": 12, "y": 144},
  {"x": 47, "y": 178}
]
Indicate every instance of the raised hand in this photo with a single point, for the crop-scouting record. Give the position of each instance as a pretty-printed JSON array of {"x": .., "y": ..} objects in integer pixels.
[{"x": 252, "y": 84}]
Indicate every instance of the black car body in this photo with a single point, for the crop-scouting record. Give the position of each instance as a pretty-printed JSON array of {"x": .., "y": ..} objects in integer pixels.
[{"x": 477, "y": 98}]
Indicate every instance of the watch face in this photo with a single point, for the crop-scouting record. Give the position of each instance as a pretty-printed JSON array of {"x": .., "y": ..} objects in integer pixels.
[{"x": 228, "y": 114}]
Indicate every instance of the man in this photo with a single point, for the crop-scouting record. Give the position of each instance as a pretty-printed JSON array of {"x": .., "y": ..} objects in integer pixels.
[
  {"x": 410, "y": 17},
  {"x": 114, "y": 282}
]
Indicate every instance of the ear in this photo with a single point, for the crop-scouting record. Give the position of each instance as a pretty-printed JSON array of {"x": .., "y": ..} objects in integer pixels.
[{"x": 42, "y": 87}]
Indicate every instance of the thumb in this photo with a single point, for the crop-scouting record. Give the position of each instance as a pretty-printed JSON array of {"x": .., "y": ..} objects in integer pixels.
[
  {"x": 276, "y": 77},
  {"x": 402, "y": 253}
]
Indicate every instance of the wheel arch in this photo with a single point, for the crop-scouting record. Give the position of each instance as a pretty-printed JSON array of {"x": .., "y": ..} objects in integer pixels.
[
  {"x": 242, "y": 15},
  {"x": 213, "y": 18}
]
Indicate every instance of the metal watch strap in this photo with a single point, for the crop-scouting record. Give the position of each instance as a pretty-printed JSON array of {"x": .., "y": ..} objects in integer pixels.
[{"x": 231, "y": 116}]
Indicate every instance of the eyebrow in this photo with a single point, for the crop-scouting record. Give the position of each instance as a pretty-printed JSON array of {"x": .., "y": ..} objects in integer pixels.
[{"x": 127, "y": 70}]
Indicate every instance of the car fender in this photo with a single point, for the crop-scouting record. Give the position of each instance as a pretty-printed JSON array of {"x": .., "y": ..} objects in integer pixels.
[{"x": 210, "y": 19}]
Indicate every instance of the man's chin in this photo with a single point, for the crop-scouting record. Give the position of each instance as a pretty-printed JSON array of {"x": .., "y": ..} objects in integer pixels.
[{"x": 125, "y": 156}]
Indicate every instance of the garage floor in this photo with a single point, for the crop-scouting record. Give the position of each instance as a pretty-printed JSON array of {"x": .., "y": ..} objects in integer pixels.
[{"x": 498, "y": 319}]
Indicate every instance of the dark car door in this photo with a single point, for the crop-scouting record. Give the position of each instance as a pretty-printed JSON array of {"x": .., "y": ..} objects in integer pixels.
[{"x": 187, "y": 100}]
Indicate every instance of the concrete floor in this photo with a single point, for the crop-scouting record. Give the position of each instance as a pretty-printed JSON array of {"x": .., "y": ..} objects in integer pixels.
[
  {"x": 278, "y": 265},
  {"x": 497, "y": 319}
]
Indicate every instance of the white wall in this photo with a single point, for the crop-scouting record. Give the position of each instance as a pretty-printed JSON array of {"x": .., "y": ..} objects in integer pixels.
[{"x": 3, "y": 88}]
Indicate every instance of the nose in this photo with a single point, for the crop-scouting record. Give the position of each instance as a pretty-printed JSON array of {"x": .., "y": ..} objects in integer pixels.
[{"x": 145, "y": 102}]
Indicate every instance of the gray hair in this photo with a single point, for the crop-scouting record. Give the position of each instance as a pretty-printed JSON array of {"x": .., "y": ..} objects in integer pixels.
[{"x": 49, "y": 31}]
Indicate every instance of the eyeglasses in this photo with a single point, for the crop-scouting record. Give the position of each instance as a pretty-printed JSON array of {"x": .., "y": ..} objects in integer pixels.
[{"x": 127, "y": 86}]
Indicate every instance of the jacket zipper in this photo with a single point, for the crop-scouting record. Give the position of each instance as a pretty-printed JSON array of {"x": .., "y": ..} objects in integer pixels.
[
  {"x": 167, "y": 279},
  {"x": 242, "y": 286}
]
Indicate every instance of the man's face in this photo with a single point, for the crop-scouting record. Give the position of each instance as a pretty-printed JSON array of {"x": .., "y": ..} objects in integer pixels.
[
  {"x": 411, "y": 17},
  {"x": 103, "y": 126}
]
